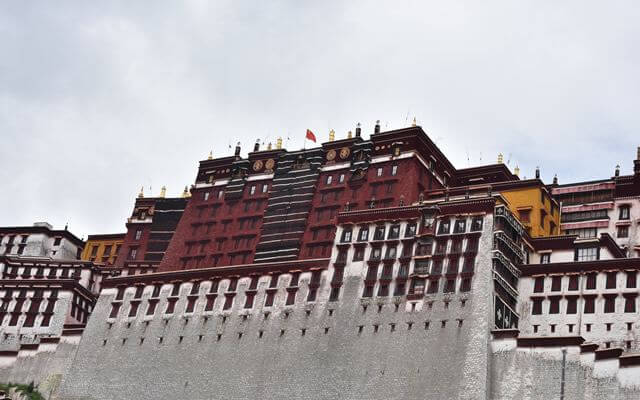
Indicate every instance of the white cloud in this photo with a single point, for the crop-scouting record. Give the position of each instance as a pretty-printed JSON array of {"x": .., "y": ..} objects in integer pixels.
[{"x": 96, "y": 100}]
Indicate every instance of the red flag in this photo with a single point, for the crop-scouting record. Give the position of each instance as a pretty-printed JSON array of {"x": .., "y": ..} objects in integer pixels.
[{"x": 311, "y": 136}]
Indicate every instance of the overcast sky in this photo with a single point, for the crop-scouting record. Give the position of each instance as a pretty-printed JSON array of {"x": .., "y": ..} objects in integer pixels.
[{"x": 100, "y": 98}]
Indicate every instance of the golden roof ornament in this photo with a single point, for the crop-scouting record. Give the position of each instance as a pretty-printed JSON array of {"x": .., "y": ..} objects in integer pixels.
[
  {"x": 332, "y": 135},
  {"x": 210, "y": 155},
  {"x": 141, "y": 194},
  {"x": 349, "y": 135},
  {"x": 415, "y": 123},
  {"x": 500, "y": 158},
  {"x": 269, "y": 146},
  {"x": 516, "y": 171},
  {"x": 163, "y": 192},
  {"x": 186, "y": 194},
  {"x": 279, "y": 143}
]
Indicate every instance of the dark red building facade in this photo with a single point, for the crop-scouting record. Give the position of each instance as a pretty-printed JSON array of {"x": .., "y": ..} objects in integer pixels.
[{"x": 277, "y": 205}]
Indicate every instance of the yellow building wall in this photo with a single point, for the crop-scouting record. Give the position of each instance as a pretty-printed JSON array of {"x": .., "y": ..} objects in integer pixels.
[
  {"x": 531, "y": 199},
  {"x": 95, "y": 249}
]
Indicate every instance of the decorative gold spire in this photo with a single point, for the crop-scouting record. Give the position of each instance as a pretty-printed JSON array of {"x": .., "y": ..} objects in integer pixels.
[
  {"x": 279, "y": 143},
  {"x": 269, "y": 146},
  {"x": 500, "y": 158},
  {"x": 141, "y": 194},
  {"x": 186, "y": 193},
  {"x": 516, "y": 171},
  {"x": 210, "y": 155},
  {"x": 349, "y": 135},
  {"x": 163, "y": 192},
  {"x": 332, "y": 135},
  {"x": 415, "y": 123}
]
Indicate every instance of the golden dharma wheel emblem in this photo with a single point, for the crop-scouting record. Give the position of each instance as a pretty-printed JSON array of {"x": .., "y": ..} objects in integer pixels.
[
  {"x": 344, "y": 152},
  {"x": 270, "y": 163},
  {"x": 331, "y": 155},
  {"x": 257, "y": 166}
]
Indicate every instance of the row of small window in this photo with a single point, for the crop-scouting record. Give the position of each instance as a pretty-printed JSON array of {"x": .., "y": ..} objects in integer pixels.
[
  {"x": 23, "y": 240},
  {"x": 437, "y": 266},
  {"x": 580, "y": 254},
  {"x": 12, "y": 239},
  {"x": 380, "y": 171},
  {"x": 251, "y": 190},
  {"x": 585, "y": 197},
  {"x": 106, "y": 253},
  {"x": 32, "y": 311},
  {"x": 303, "y": 331},
  {"x": 587, "y": 328},
  {"x": 421, "y": 250},
  {"x": 583, "y": 233},
  {"x": 609, "y": 305},
  {"x": 379, "y": 233},
  {"x": 584, "y": 215},
  {"x": 425, "y": 247},
  {"x": 460, "y": 226},
  {"x": 198, "y": 228},
  {"x": 8, "y": 295},
  {"x": 215, "y": 284},
  {"x": 247, "y": 206},
  {"x": 210, "y": 302},
  {"x": 214, "y": 260},
  {"x": 30, "y": 320},
  {"x": 449, "y": 286},
  {"x": 590, "y": 284},
  {"x": 48, "y": 272},
  {"x": 417, "y": 287},
  {"x": 239, "y": 242},
  {"x": 588, "y": 233},
  {"x": 389, "y": 189}
]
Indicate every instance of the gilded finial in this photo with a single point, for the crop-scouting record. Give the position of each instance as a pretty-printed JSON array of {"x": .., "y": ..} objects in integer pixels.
[
  {"x": 141, "y": 194},
  {"x": 516, "y": 171},
  {"x": 415, "y": 123},
  {"x": 269, "y": 146},
  {"x": 210, "y": 155},
  {"x": 500, "y": 158},
  {"x": 349, "y": 135},
  {"x": 163, "y": 192},
  {"x": 332, "y": 135},
  {"x": 186, "y": 193},
  {"x": 279, "y": 143}
]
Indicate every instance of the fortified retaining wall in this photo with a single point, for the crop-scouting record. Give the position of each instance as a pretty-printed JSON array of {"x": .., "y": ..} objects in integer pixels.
[
  {"x": 353, "y": 348},
  {"x": 43, "y": 362},
  {"x": 536, "y": 368}
]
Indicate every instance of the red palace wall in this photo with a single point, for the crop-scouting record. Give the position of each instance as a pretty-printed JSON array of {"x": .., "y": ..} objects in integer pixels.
[{"x": 230, "y": 219}]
